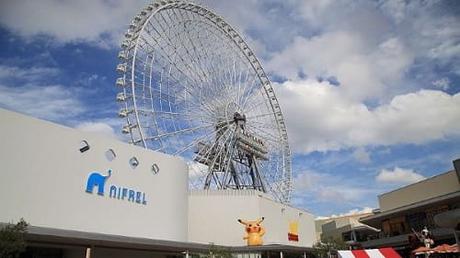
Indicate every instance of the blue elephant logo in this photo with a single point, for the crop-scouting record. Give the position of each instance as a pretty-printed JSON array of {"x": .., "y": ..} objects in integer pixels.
[{"x": 97, "y": 179}]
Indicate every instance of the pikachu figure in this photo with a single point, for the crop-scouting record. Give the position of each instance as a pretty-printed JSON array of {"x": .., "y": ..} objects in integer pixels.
[{"x": 254, "y": 231}]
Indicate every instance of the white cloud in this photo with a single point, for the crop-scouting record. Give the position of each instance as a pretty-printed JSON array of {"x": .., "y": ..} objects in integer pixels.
[
  {"x": 52, "y": 102},
  {"x": 197, "y": 174},
  {"x": 328, "y": 188},
  {"x": 196, "y": 169},
  {"x": 27, "y": 74},
  {"x": 97, "y": 21},
  {"x": 307, "y": 180},
  {"x": 396, "y": 9},
  {"x": 364, "y": 210},
  {"x": 311, "y": 10},
  {"x": 26, "y": 90},
  {"x": 364, "y": 71},
  {"x": 332, "y": 122},
  {"x": 443, "y": 83},
  {"x": 398, "y": 175},
  {"x": 97, "y": 127},
  {"x": 361, "y": 155},
  {"x": 341, "y": 193}
]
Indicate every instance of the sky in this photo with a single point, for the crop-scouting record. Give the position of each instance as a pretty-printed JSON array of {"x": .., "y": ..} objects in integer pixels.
[{"x": 369, "y": 89}]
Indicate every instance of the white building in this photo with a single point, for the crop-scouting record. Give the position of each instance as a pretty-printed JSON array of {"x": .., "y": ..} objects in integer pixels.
[{"x": 86, "y": 194}]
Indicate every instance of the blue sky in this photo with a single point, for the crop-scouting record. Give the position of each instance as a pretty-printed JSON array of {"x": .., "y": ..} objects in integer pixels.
[{"x": 369, "y": 89}]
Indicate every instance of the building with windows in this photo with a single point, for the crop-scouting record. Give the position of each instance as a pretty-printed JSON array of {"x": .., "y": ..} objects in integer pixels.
[
  {"x": 346, "y": 228},
  {"x": 411, "y": 208},
  {"x": 86, "y": 195}
]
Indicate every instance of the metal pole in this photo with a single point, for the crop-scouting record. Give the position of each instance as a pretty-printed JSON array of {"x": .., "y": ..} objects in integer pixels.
[
  {"x": 281, "y": 254},
  {"x": 186, "y": 254},
  {"x": 88, "y": 252},
  {"x": 457, "y": 240}
]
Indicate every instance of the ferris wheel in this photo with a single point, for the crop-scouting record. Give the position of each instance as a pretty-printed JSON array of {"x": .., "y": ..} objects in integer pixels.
[{"x": 191, "y": 86}]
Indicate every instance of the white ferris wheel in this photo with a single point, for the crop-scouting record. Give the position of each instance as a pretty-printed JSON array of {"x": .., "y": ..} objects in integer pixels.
[{"x": 191, "y": 86}]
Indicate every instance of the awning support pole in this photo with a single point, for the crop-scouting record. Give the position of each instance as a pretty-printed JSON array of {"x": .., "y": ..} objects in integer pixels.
[
  {"x": 88, "y": 252},
  {"x": 456, "y": 237}
]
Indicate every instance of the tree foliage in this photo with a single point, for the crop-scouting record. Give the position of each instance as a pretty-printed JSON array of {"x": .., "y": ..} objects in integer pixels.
[
  {"x": 218, "y": 252},
  {"x": 326, "y": 246},
  {"x": 12, "y": 242}
]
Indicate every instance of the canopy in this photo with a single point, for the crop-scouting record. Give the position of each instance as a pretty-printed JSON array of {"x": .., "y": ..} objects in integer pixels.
[
  {"x": 445, "y": 248},
  {"x": 370, "y": 253}
]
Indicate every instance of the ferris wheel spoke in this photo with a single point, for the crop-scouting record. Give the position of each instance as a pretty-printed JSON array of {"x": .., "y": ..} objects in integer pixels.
[
  {"x": 247, "y": 84},
  {"x": 264, "y": 125},
  {"x": 206, "y": 52},
  {"x": 212, "y": 147},
  {"x": 199, "y": 29},
  {"x": 172, "y": 45},
  {"x": 193, "y": 59},
  {"x": 165, "y": 56},
  {"x": 249, "y": 91},
  {"x": 188, "y": 130},
  {"x": 170, "y": 115},
  {"x": 268, "y": 136},
  {"x": 199, "y": 139},
  {"x": 221, "y": 148},
  {"x": 272, "y": 114},
  {"x": 254, "y": 101},
  {"x": 270, "y": 176},
  {"x": 228, "y": 158},
  {"x": 185, "y": 88},
  {"x": 181, "y": 72}
]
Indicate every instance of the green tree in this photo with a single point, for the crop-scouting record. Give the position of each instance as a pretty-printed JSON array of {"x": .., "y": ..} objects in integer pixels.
[
  {"x": 12, "y": 242},
  {"x": 218, "y": 252},
  {"x": 326, "y": 246}
]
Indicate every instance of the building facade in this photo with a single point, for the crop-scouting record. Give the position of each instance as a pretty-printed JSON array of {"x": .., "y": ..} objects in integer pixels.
[
  {"x": 345, "y": 228},
  {"x": 284, "y": 224},
  {"x": 86, "y": 194},
  {"x": 411, "y": 208}
]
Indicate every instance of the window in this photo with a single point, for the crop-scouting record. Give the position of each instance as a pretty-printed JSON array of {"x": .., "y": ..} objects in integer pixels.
[
  {"x": 430, "y": 213},
  {"x": 416, "y": 221}
]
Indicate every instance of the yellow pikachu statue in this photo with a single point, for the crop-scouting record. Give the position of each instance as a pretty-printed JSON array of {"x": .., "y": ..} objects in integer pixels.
[{"x": 254, "y": 231}]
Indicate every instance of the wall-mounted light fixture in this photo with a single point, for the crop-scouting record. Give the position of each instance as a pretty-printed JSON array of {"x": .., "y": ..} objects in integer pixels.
[
  {"x": 155, "y": 169},
  {"x": 84, "y": 146},
  {"x": 133, "y": 162},
  {"x": 110, "y": 155}
]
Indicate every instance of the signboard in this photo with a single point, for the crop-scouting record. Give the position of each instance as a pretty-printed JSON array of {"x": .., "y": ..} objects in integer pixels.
[
  {"x": 96, "y": 179},
  {"x": 293, "y": 234}
]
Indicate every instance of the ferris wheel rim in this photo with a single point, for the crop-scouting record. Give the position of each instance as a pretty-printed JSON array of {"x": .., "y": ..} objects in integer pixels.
[{"x": 228, "y": 31}]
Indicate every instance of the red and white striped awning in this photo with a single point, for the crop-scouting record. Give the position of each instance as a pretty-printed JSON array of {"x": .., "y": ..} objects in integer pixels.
[{"x": 370, "y": 253}]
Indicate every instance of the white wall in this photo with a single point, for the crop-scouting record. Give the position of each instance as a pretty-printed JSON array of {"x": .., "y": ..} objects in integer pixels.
[
  {"x": 43, "y": 179},
  {"x": 99, "y": 252},
  {"x": 277, "y": 219},
  {"x": 213, "y": 218},
  {"x": 115, "y": 253},
  {"x": 432, "y": 187}
]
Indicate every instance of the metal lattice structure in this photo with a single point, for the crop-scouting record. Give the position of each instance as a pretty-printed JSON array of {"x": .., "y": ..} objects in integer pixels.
[{"x": 191, "y": 86}]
